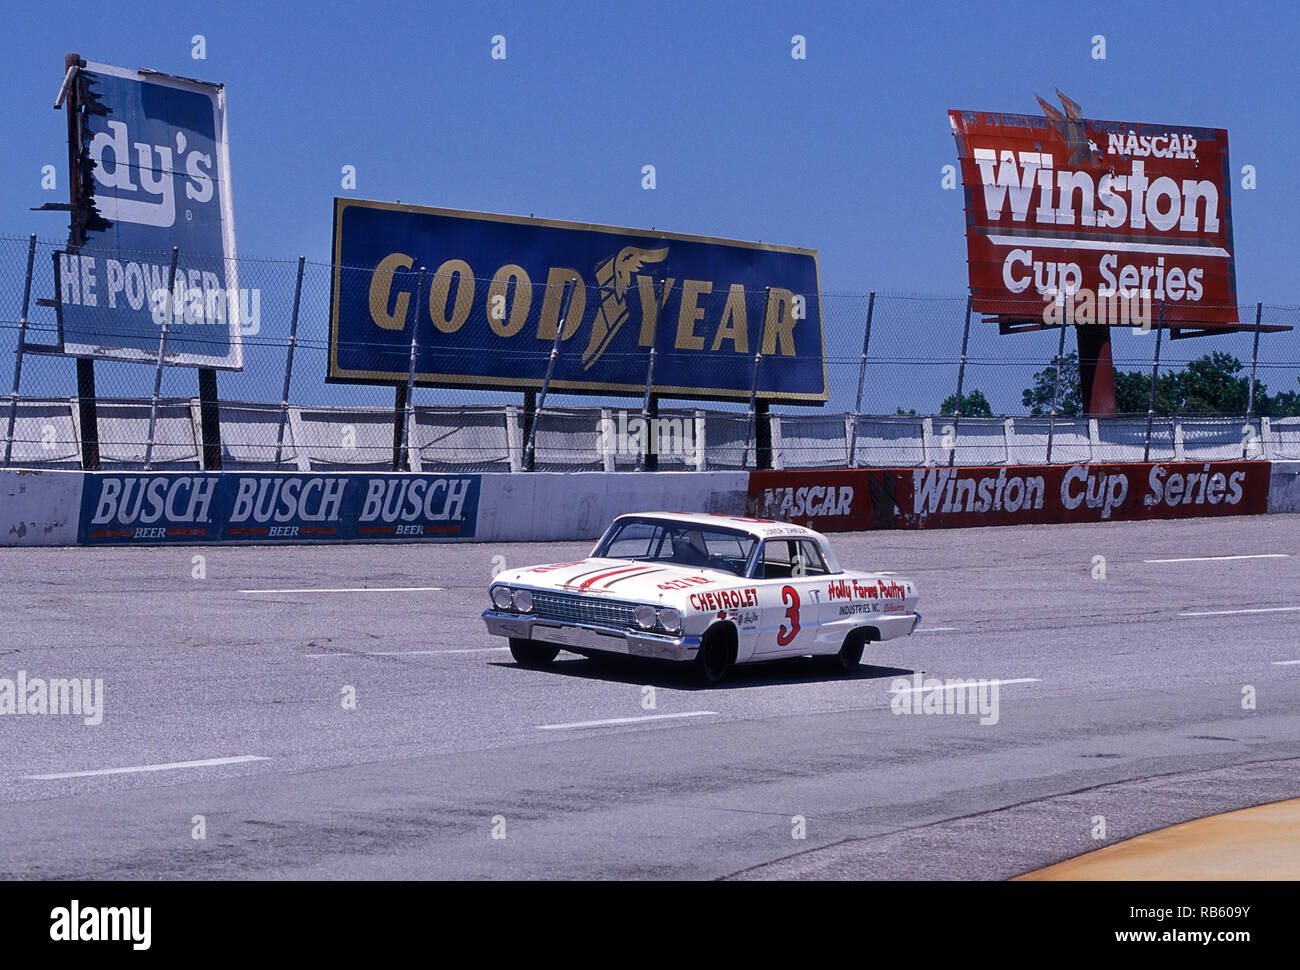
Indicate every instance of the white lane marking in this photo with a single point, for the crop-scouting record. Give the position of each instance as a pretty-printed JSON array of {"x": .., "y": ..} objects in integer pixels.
[
  {"x": 403, "y": 653},
  {"x": 168, "y": 767},
  {"x": 965, "y": 683},
  {"x": 356, "y": 589},
  {"x": 1285, "y": 663},
  {"x": 1269, "y": 609},
  {"x": 936, "y": 629},
  {"x": 622, "y": 720},
  {"x": 1262, "y": 555}
]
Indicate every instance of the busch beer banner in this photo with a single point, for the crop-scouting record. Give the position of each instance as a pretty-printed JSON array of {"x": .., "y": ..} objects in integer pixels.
[
  {"x": 1121, "y": 211},
  {"x": 920, "y": 498},
  {"x": 489, "y": 311},
  {"x": 150, "y": 509}
]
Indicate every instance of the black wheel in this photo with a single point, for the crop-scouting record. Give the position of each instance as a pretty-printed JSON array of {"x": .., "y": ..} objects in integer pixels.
[
  {"x": 532, "y": 653},
  {"x": 849, "y": 657},
  {"x": 714, "y": 656}
]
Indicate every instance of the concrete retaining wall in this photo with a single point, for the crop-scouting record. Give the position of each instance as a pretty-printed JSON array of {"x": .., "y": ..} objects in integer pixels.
[
  {"x": 1284, "y": 487},
  {"x": 39, "y": 508},
  {"x": 46, "y": 507}
]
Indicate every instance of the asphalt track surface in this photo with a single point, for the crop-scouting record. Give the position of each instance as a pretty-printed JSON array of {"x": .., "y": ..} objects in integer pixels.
[{"x": 1118, "y": 704}]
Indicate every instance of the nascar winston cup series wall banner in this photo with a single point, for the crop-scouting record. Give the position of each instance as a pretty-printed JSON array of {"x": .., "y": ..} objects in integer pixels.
[
  {"x": 159, "y": 178},
  {"x": 488, "y": 314}
]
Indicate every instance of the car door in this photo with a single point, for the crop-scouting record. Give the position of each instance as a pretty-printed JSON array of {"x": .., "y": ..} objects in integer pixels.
[{"x": 793, "y": 572}]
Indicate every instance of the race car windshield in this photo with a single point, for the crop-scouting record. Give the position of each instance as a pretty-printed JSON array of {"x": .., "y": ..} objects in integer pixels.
[{"x": 679, "y": 544}]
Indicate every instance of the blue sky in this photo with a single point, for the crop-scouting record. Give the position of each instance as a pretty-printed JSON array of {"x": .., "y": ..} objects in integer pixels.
[{"x": 841, "y": 152}]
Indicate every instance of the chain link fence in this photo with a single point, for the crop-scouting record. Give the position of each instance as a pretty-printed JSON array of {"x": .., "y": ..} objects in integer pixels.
[{"x": 911, "y": 380}]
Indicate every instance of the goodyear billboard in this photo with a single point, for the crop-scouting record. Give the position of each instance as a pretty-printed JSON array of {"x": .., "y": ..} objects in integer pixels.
[
  {"x": 159, "y": 161},
  {"x": 488, "y": 313}
]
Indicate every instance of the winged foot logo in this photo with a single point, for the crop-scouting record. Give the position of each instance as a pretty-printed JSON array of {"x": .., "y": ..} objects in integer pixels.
[{"x": 614, "y": 276}]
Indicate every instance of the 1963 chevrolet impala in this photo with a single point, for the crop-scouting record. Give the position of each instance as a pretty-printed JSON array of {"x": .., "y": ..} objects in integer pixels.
[{"x": 710, "y": 590}]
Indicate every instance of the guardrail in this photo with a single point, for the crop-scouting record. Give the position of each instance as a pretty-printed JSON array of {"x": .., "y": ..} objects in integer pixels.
[{"x": 264, "y": 436}]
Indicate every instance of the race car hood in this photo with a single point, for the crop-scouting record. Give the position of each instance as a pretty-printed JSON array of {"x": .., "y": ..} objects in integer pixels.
[{"x": 618, "y": 578}]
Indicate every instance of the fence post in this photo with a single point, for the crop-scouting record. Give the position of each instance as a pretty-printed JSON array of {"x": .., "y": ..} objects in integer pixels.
[
  {"x": 170, "y": 306},
  {"x": 1250, "y": 399},
  {"x": 288, "y": 367},
  {"x": 751, "y": 429},
  {"x": 961, "y": 377},
  {"x": 18, "y": 362},
  {"x": 1155, "y": 369},
  {"x": 1056, "y": 391},
  {"x": 862, "y": 373},
  {"x": 530, "y": 450},
  {"x": 401, "y": 452}
]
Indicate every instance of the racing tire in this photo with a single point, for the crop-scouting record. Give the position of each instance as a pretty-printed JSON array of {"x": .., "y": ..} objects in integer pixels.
[
  {"x": 713, "y": 658},
  {"x": 847, "y": 660},
  {"x": 532, "y": 653}
]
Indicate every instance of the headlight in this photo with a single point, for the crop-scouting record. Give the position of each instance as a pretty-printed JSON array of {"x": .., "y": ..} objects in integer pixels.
[
  {"x": 644, "y": 617},
  {"x": 523, "y": 601},
  {"x": 501, "y": 597},
  {"x": 670, "y": 619}
]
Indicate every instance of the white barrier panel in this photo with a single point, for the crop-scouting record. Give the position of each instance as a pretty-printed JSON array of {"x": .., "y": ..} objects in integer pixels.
[
  {"x": 1284, "y": 487},
  {"x": 579, "y": 505},
  {"x": 39, "y": 508}
]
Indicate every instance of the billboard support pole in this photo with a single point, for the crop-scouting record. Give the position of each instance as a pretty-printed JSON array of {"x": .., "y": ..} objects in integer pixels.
[
  {"x": 648, "y": 459},
  {"x": 87, "y": 407},
  {"x": 1056, "y": 393},
  {"x": 88, "y": 411},
  {"x": 530, "y": 451},
  {"x": 403, "y": 403},
  {"x": 1155, "y": 369},
  {"x": 762, "y": 435},
  {"x": 652, "y": 434},
  {"x": 529, "y": 419},
  {"x": 862, "y": 375},
  {"x": 209, "y": 418},
  {"x": 961, "y": 377},
  {"x": 170, "y": 307},
  {"x": 288, "y": 367},
  {"x": 1254, "y": 360},
  {"x": 18, "y": 362}
]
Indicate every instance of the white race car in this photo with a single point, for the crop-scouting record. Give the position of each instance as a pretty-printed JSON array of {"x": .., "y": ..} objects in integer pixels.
[{"x": 711, "y": 590}]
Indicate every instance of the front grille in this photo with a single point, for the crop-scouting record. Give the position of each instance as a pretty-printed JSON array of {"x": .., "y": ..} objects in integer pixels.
[{"x": 581, "y": 609}]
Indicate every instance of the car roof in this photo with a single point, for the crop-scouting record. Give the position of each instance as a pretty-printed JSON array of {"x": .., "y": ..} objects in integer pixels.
[{"x": 760, "y": 528}]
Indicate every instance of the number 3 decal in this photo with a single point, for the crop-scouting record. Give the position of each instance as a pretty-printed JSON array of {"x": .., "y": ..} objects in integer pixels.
[{"x": 789, "y": 596}]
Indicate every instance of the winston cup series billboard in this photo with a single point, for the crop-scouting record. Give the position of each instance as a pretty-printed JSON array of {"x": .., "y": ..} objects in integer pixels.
[
  {"x": 1062, "y": 204},
  {"x": 488, "y": 312},
  {"x": 159, "y": 177}
]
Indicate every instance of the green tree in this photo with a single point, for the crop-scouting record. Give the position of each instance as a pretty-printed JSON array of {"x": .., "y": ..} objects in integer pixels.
[
  {"x": 1133, "y": 392},
  {"x": 1216, "y": 383},
  {"x": 1213, "y": 384},
  {"x": 1279, "y": 405},
  {"x": 973, "y": 405},
  {"x": 1069, "y": 397}
]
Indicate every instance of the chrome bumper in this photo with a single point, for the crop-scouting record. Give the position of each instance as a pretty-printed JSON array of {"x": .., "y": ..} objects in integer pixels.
[{"x": 585, "y": 636}]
